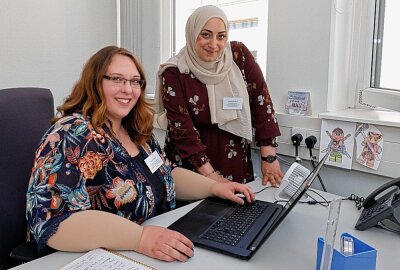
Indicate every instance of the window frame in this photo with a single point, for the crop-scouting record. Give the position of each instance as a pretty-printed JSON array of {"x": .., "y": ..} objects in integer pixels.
[{"x": 363, "y": 62}]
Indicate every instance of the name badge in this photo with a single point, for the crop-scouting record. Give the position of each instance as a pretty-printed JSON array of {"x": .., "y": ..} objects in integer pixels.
[
  {"x": 232, "y": 103},
  {"x": 154, "y": 161}
]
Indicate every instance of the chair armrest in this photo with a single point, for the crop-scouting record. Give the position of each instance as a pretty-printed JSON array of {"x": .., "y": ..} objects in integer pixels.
[{"x": 28, "y": 251}]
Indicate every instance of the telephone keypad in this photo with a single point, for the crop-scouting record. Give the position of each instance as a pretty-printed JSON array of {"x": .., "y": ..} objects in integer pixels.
[
  {"x": 374, "y": 210},
  {"x": 371, "y": 216}
]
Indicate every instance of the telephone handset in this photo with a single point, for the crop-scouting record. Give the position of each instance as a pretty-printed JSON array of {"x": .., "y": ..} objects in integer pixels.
[{"x": 386, "y": 207}]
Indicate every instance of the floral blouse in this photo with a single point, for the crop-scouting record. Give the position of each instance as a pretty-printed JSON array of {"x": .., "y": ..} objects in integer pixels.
[
  {"x": 192, "y": 140},
  {"x": 76, "y": 168}
]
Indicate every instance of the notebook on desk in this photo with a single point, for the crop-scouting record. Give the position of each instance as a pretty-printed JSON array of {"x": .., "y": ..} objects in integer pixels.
[{"x": 237, "y": 230}]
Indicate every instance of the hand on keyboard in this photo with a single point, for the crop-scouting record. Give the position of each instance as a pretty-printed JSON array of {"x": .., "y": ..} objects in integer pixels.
[{"x": 229, "y": 190}]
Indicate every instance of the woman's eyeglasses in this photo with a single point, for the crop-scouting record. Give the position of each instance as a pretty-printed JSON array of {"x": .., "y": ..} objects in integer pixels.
[{"x": 118, "y": 81}]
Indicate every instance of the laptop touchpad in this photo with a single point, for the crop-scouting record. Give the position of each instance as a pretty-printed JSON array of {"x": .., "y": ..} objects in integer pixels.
[{"x": 200, "y": 218}]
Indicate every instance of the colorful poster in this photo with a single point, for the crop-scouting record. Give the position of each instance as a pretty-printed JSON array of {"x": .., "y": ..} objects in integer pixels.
[
  {"x": 369, "y": 141},
  {"x": 337, "y": 137}
]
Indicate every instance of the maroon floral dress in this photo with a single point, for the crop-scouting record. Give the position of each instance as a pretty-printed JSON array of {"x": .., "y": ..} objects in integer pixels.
[{"x": 192, "y": 139}]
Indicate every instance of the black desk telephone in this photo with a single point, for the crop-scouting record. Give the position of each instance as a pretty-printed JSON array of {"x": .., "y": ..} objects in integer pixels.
[{"x": 385, "y": 208}]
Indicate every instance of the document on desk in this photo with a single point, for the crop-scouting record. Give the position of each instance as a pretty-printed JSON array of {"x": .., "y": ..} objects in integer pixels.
[{"x": 102, "y": 259}]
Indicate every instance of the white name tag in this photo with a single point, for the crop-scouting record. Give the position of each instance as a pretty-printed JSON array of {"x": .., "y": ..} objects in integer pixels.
[
  {"x": 232, "y": 103},
  {"x": 154, "y": 161}
]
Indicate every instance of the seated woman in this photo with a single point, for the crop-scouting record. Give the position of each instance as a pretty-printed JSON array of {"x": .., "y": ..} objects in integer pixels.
[{"x": 99, "y": 172}]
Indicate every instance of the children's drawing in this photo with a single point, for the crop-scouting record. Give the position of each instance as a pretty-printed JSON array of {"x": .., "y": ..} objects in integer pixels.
[
  {"x": 336, "y": 146},
  {"x": 369, "y": 146},
  {"x": 337, "y": 139}
]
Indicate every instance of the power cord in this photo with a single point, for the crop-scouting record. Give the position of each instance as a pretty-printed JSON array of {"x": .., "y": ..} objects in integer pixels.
[
  {"x": 310, "y": 143},
  {"x": 296, "y": 140},
  {"x": 325, "y": 202},
  {"x": 264, "y": 188},
  {"x": 314, "y": 201}
]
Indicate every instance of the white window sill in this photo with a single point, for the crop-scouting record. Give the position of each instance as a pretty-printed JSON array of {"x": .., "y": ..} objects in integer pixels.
[{"x": 375, "y": 117}]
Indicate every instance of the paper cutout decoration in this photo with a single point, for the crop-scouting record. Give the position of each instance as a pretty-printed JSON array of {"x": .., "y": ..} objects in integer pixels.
[
  {"x": 369, "y": 142},
  {"x": 337, "y": 137}
]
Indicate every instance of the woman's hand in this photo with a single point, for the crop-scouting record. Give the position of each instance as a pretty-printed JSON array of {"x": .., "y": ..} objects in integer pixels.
[
  {"x": 229, "y": 191},
  {"x": 164, "y": 244},
  {"x": 271, "y": 173}
]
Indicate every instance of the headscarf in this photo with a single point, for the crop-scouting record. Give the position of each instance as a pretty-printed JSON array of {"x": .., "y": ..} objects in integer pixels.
[{"x": 222, "y": 77}]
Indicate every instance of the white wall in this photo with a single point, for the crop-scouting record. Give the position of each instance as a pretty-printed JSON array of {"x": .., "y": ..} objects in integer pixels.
[
  {"x": 306, "y": 48},
  {"x": 298, "y": 50},
  {"x": 45, "y": 43}
]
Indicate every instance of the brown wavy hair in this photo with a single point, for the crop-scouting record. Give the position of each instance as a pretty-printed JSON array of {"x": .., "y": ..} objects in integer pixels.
[{"x": 87, "y": 97}]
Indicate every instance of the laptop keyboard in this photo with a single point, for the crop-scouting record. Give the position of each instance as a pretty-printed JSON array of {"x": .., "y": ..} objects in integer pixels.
[{"x": 232, "y": 227}]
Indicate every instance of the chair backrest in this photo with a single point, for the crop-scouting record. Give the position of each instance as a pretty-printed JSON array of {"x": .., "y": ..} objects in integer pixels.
[{"x": 25, "y": 115}]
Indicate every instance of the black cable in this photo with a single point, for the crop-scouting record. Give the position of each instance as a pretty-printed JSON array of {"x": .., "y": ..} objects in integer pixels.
[
  {"x": 296, "y": 140},
  {"x": 310, "y": 142},
  {"x": 325, "y": 202},
  {"x": 319, "y": 176},
  {"x": 264, "y": 188},
  {"x": 357, "y": 200}
]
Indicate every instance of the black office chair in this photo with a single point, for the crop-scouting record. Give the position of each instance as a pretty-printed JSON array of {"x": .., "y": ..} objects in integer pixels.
[{"x": 25, "y": 115}]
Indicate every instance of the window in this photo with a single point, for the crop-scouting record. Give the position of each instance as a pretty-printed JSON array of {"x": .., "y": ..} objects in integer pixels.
[
  {"x": 247, "y": 23},
  {"x": 386, "y": 53},
  {"x": 378, "y": 77}
]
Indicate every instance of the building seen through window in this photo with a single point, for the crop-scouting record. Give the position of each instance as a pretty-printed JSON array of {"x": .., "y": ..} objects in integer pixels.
[{"x": 245, "y": 23}]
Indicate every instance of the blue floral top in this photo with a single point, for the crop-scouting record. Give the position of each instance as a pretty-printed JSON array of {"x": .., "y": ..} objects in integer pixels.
[{"x": 77, "y": 168}]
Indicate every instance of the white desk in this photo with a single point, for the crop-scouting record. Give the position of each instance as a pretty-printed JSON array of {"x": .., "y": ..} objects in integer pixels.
[{"x": 292, "y": 246}]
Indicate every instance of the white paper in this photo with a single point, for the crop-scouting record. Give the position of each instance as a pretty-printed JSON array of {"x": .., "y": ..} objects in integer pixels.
[{"x": 100, "y": 259}]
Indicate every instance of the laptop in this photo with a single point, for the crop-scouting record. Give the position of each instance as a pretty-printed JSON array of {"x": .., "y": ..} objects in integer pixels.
[{"x": 221, "y": 225}]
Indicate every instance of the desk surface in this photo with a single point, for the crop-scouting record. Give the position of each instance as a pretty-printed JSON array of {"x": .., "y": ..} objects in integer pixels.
[{"x": 293, "y": 245}]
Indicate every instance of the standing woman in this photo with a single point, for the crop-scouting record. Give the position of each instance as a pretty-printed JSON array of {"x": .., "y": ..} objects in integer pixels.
[{"x": 214, "y": 94}]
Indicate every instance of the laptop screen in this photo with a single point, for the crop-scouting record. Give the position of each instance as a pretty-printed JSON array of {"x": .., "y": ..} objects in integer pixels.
[
  {"x": 290, "y": 203},
  {"x": 302, "y": 189},
  {"x": 306, "y": 184}
]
